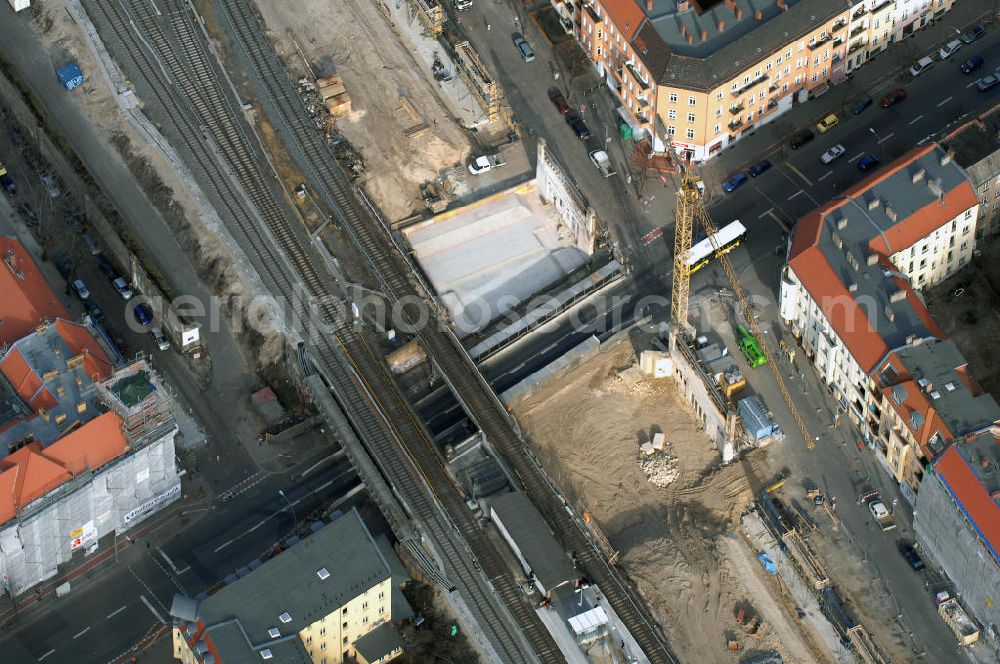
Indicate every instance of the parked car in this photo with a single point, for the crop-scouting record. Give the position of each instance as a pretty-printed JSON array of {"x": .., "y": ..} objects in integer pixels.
[
  {"x": 893, "y": 98},
  {"x": 949, "y": 49},
  {"x": 524, "y": 47},
  {"x": 160, "y": 339},
  {"x": 735, "y": 181},
  {"x": 602, "y": 161},
  {"x": 51, "y": 186},
  {"x": 63, "y": 266},
  {"x": 122, "y": 288},
  {"x": 801, "y": 139},
  {"x": 578, "y": 125},
  {"x": 758, "y": 168},
  {"x": 987, "y": 82},
  {"x": 8, "y": 185},
  {"x": 557, "y": 99},
  {"x": 827, "y": 123},
  {"x": 143, "y": 314},
  {"x": 911, "y": 556},
  {"x": 486, "y": 163},
  {"x": 972, "y": 64},
  {"x": 974, "y": 33},
  {"x": 867, "y": 162},
  {"x": 105, "y": 265},
  {"x": 93, "y": 310},
  {"x": 920, "y": 66},
  {"x": 463, "y": 5},
  {"x": 861, "y": 104},
  {"x": 833, "y": 153},
  {"x": 81, "y": 289}
]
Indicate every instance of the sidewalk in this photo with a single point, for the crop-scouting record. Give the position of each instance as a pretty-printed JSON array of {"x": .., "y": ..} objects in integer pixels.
[{"x": 886, "y": 69}]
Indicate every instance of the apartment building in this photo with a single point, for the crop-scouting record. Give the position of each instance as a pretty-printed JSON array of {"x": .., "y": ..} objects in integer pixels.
[
  {"x": 976, "y": 146},
  {"x": 925, "y": 399},
  {"x": 705, "y": 73},
  {"x": 86, "y": 449},
  {"x": 325, "y": 599},
  {"x": 957, "y": 524},
  {"x": 912, "y": 15},
  {"x": 849, "y": 289}
]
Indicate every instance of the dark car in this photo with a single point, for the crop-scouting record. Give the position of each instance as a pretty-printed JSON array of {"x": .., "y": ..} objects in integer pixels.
[
  {"x": 143, "y": 314},
  {"x": 735, "y": 181},
  {"x": 94, "y": 311},
  {"x": 579, "y": 127},
  {"x": 801, "y": 139},
  {"x": 557, "y": 99},
  {"x": 867, "y": 162},
  {"x": 911, "y": 556},
  {"x": 975, "y": 33},
  {"x": 860, "y": 105},
  {"x": 107, "y": 267},
  {"x": 972, "y": 64},
  {"x": 62, "y": 265},
  {"x": 894, "y": 97},
  {"x": 8, "y": 184},
  {"x": 759, "y": 168}
]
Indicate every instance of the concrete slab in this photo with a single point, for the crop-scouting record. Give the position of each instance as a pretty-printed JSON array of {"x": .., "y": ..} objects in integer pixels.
[{"x": 487, "y": 257}]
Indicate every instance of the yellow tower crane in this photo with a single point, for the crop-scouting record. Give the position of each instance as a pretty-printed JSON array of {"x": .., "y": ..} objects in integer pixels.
[{"x": 691, "y": 210}]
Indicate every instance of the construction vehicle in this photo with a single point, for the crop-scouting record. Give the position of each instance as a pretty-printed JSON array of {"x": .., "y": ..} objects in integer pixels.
[
  {"x": 776, "y": 483},
  {"x": 750, "y": 348},
  {"x": 816, "y": 496},
  {"x": 691, "y": 210}
]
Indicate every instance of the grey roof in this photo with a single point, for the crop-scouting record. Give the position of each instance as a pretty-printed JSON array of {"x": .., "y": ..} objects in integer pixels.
[
  {"x": 933, "y": 364},
  {"x": 706, "y": 64},
  {"x": 288, "y": 583},
  {"x": 234, "y": 647},
  {"x": 379, "y": 642},
  {"x": 976, "y": 141},
  {"x": 526, "y": 526},
  {"x": 874, "y": 284}
]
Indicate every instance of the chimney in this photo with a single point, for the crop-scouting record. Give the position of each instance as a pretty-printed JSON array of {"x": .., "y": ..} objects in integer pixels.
[
  {"x": 721, "y": 25},
  {"x": 731, "y": 5},
  {"x": 852, "y": 288},
  {"x": 842, "y": 223},
  {"x": 780, "y": 4},
  {"x": 874, "y": 203},
  {"x": 738, "y": 13},
  {"x": 683, "y": 30},
  {"x": 704, "y": 35},
  {"x": 889, "y": 313},
  {"x": 837, "y": 240},
  {"x": 649, "y": 5},
  {"x": 935, "y": 188},
  {"x": 759, "y": 15},
  {"x": 898, "y": 296},
  {"x": 946, "y": 157},
  {"x": 872, "y": 259},
  {"x": 690, "y": 38},
  {"x": 889, "y": 212}
]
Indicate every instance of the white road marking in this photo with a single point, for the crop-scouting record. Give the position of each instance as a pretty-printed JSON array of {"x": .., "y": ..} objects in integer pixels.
[
  {"x": 765, "y": 213},
  {"x": 886, "y": 138},
  {"x": 944, "y": 101},
  {"x": 796, "y": 194},
  {"x": 222, "y": 546},
  {"x": 116, "y": 612},
  {"x": 916, "y": 119},
  {"x": 857, "y": 156},
  {"x": 167, "y": 558},
  {"x": 184, "y": 569},
  {"x": 971, "y": 84},
  {"x": 81, "y": 632},
  {"x": 152, "y": 609},
  {"x": 46, "y": 654},
  {"x": 320, "y": 487},
  {"x": 824, "y": 176}
]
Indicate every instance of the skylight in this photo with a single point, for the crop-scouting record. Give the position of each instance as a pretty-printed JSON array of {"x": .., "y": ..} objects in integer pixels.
[
  {"x": 274, "y": 632},
  {"x": 323, "y": 573},
  {"x": 266, "y": 653},
  {"x": 285, "y": 617}
]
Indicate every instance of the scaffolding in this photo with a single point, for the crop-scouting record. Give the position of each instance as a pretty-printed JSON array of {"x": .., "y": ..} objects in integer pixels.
[
  {"x": 810, "y": 566},
  {"x": 136, "y": 394},
  {"x": 865, "y": 647},
  {"x": 431, "y": 14},
  {"x": 483, "y": 86}
]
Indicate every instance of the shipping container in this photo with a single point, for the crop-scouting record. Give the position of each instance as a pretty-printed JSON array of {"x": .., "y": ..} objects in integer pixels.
[
  {"x": 18, "y": 5},
  {"x": 70, "y": 76},
  {"x": 758, "y": 421}
]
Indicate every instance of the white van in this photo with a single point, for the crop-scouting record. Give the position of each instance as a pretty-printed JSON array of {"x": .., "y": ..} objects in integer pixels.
[
  {"x": 160, "y": 339},
  {"x": 462, "y": 5}
]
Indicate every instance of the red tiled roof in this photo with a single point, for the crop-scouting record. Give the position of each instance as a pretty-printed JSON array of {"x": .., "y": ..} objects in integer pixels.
[
  {"x": 31, "y": 472},
  {"x": 27, "y": 297},
  {"x": 972, "y": 496},
  {"x": 627, "y": 16},
  {"x": 926, "y": 220},
  {"x": 916, "y": 401},
  {"x": 19, "y": 375},
  {"x": 82, "y": 342}
]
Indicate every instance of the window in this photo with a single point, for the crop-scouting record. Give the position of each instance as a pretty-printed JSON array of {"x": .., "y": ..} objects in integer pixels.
[
  {"x": 965, "y": 245},
  {"x": 718, "y": 95},
  {"x": 777, "y": 61},
  {"x": 968, "y": 215},
  {"x": 309, "y": 640},
  {"x": 673, "y": 97},
  {"x": 344, "y": 626},
  {"x": 692, "y": 101},
  {"x": 345, "y": 640},
  {"x": 381, "y": 595},
  {"x": 322, "y": 631},
  {"x": 718, "y": 128},
  {"x": 746, "y": 80},
  {"x": 691, "y": 117},
  {"x": 689, "y": 133},
  {"x": 718, "y": 112},
  {"x": 671, "y": 130},
  {"x": 600, "y": 33},
  {"x": 381, "y": 609},
  {"x": 734, "y": 86},
  {"x": 671, "y": 114},
  {"x": 344, "y": 611},
  {"x": 768, "y": 67}
]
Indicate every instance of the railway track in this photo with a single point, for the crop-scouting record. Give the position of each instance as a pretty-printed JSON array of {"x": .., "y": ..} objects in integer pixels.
[
  {"x": 372, "y": 237},
  {"x": 184, "y": 83}
]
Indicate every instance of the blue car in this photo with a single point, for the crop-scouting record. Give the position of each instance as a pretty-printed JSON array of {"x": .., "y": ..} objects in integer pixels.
[
  {"x": 867, "y": 162},
  {"x": 757, "y": 169},
  {"x": 143, "y": 314},
  {"x": 735, "y": 181},
  {"x": 972, "y": 64}
]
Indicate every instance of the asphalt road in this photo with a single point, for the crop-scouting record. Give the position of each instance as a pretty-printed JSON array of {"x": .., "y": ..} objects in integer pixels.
[{"x": 110, "y": 607}]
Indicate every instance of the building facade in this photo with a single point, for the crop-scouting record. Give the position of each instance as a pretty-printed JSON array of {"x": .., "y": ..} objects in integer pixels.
[
  {"x": 704, "y": 74},
  {"x": 849, "y": 289},
  {"x": 325, "y": 599},
  {"x": 976, "y": 146},
  {"x": 957, "y": 524}
]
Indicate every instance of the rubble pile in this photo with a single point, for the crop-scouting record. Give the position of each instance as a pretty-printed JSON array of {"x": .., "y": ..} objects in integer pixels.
[{"x": 660, "y": 468}]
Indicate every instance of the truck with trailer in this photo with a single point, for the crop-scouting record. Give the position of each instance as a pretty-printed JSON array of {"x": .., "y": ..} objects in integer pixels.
[{"x": 489, "y": 162}]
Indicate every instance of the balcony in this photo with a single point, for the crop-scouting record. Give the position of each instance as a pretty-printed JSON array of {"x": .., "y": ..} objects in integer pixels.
[
  {"x": 855, "y": 46},
  {"x": 857, "y": 31},
  {"x": 757, "y": 81},
  {"x": 642, "y": 102},
  {"x": 838, "y": 41},
  {"x": 837, "y": 57},
  {"x": 838, "y": 26},
  {"x": 641, "y": 84},
  {"x": 735, "y": 124},
  {"x": 819, "y": 42},
  {"x": 594, "y": 18},
  {"x": 736, "y": 110},
  {"x": 879, "y": 7}
]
